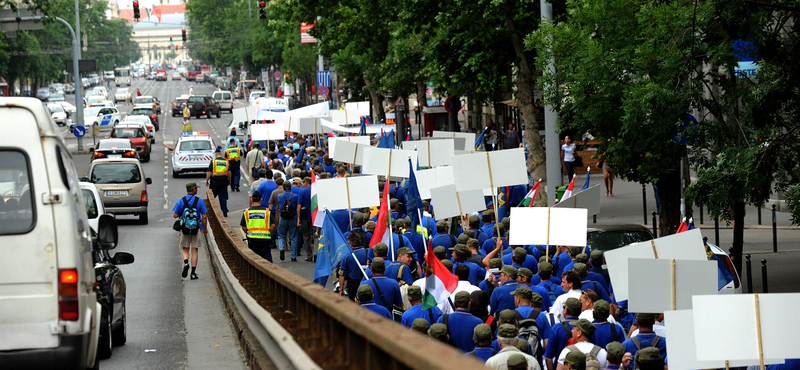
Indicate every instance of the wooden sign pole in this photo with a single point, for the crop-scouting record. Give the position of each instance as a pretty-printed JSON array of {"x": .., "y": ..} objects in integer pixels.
[
  {"x": 653, "y": 244},
  {"x": 458, "y": 200},
  {"x": 758, "y": 331},
  {"x": 349, "y": 209},
  {"x": 491, "y": 183},
  {"x": 429, "y": 155},
  {"x": 673, "y": 285}
]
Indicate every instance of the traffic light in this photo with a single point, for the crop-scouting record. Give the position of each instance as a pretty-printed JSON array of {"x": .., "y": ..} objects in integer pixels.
[
  {"x": 262, "y": 5},
  {"x": 183, "y": 34},
  {"x": 136, "y": 10}
]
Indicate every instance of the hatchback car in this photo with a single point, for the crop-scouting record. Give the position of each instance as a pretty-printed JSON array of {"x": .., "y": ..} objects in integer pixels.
[
  {"x": 138, "y": 136},
  {"x": 146, "y": 121},
  {"x": 43, "y": 93},
  {"x": 122, "y": 186},
  {"x": 203, "y": 105},
  {"x": 177, "y": 106},
  {"x": 147, "y": 101},
  {"x": 114, "y": 149},
  {"x": 146, "y": 112}
]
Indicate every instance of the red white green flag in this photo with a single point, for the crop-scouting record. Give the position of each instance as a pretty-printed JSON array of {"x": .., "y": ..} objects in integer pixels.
[
  {"x": 317, "y": 218},
  {"x": 440, "y": 284}
]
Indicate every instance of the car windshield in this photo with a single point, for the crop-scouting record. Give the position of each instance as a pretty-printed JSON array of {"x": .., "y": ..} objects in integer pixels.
[
  {"x": 114, "y": 144},
  {"x": 56, "y": 97},
  {"x": 95, "y": 99},
  {"x": 55, "y": 108},
  {"x": 116, "y": 173},
  {"x": 126, "y": 132},
  {"x": 91, "y": 112},
  {"x": 90, "y": 203},
  {"x": 194, "y": 145},
  {"x": 606, "y": 240},
  {"x": 141, "y": 111},
  {"x": 122, "y": 91},
  {"x": 142, "y": 119},
  {"x": 144, "y": 100}
]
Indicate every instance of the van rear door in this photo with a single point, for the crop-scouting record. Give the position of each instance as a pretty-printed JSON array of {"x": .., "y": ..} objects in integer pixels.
[{"x": 29, "y": 308}]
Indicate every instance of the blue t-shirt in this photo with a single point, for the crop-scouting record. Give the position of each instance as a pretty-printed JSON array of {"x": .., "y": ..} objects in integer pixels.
[
  {"x": 266, "y": 188},
  {"x": 380, "y": 310},
  {"x": 461, "y": 328},
  {"x": 430, "y": 224},
  {"x": 444, "y": 241},
  {"x": 602, "y": 333},
  {"x": 484, "y": 353},
  {"x": 283, "y": 199},
  {"x": 416, "y": 312},
  {"x": 558, "y": 338},
  {"x": 545, "y": 296},
  {"x": 389, "y": 288},
  {"x": 645, "y": 339},
  {"x": 488, "y": 245},
  {"x": 501, "y": 297},
  {"x": 476, "y": 273},
  {"x": 394, "y": 268},
  {"x": 201, "y": 208},
  {"x": 488, "y": 229},
  {"x": 342, "y": 218},
  {"x": 304, "y": 197},
  {"x": 351, "y": 268},
  {"x": 418, "y": 244}
]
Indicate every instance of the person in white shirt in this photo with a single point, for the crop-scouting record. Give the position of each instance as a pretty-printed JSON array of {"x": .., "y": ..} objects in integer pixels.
[
  {"x": 581, "y": 333},
  {"x": 588, "y": 298},
  {"x": 568, "y": 149},
  {"x": 463, "y": 282},
  {"x": 571, "y": 285},
  {"x": 658, "y": 327}
]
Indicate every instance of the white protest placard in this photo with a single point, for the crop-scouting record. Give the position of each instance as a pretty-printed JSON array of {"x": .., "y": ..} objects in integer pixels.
[
  {"x": 361, "y": 107},
  {"x": 432, "y": 153},
  {"x": 346, "y": 117},
  {"x": 432, "y": 178},
  {"x": 350, "y": 152},
  {"x": 269, "y": 131},
  {"x": 335, "y": 140},
  {"x": 687, "y": 245},
  {"x": 683, "y": 349},
  {"x": 589, "y": 199},
  {"x": 726, "y": 326},
  {"x": 458, "y": 142},
  {"x": 490, "y": 169},
  {"x": 450, "y": 203},
  {"x": 319, "y": 109},
  {"x": 548, "y": 226},
  {"x": 655, "y": 286},
  {"x": 348, "y": 192},
  {"x": 469, "y": 139},
  {"x": 245, "y": 114},
  {"x": 305, "y": 125},
  {"x": 387, "y": 162}
]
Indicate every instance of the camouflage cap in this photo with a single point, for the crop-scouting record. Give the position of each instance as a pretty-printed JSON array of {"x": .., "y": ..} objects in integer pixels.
[
  {"x": 581, "y": 269},
  {"x": 414, "y": 292},
  {"x": 420, "y": 325},
  {"x": 615, "y": 351},
  {"x": 520, "y": 252},
  {"x": 440, "y": 252},
  {"x": 506, "y": 222},
  {"x": 470, "y": 233},
  {"x": 583, "y": 258},
  {"x": 473, "y": 219},
  {"x": 438, "y": 331},
  {"x": 460, "y": 248},
  {"x": 573, "y": 304},
  {"x": 507, "y": 317},
  {"x": 404, "y": 250},
  {"x": 523, "y": 292},
  {"x": 462, "y": 299},
  {"x": 649, "y": 354},
  {"x": 381, "y": 249},
  {"x": 473, "y": 243},
  {"x": 507, "y": 331},
  {"x": 601, "y": 308},
  {"x": 482, "y": 332},
  {"x": 448, "y": 264},
  {"x": 545, "y": 267},
  {"x": 442, "y": 223},
  {"x": 516, "y": 362},
  {"x": 495, "y": 263},
  {"x": 510, "y": 271},
  {"x": 377, "y": 261},
  {"x": 574, "y": 250},
  {"x": 575, "y": 357},
  {"x": 364, "y": 293},
  {"x": 463, "y": 238},
  {"x": 586, "y": 327},
  {"x": 526, "y": 272},
  {"x": 537, "y": 300}
]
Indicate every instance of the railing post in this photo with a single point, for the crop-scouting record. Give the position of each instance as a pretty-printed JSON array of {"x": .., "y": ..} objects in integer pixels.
[
  {"x": 749, "y": 266},
  {"x": 764, "y": 284},
  {"x": 701, "y": 214},
  {"x": 774, "y": 230},
  {"x": 655, "y": 225},
  {"x": 758, "y": 207},
  {"x": 644, "y": 204},
  {"x": 716, "y": 230}
]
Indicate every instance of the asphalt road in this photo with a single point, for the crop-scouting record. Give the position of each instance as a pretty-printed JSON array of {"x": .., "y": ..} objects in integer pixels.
[{"x": 173, "y": 323}]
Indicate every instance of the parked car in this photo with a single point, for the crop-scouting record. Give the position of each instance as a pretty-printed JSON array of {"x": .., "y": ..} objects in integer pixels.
[
  {"x": 145, "y": 111},
  {"x": 69, "y": 89},
  {"x": 225, "y": 99},
  {"x": 49, "y": 314},
  {"x": 85, "y": 83},
  {"x": 200, "y": 105},
  {"x": 103, "y": 117},
  {"x": 114, "y": 149},
  {"x": 68, "y": 107},
  {"x": 43, "y": 93},
  {"x": 122, "y": 186}
]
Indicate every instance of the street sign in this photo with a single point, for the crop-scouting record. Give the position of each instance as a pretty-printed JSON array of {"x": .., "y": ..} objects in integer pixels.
[
  {"x": 79, "y": 131},
  {"x": 449, "y": 106},
  {"x": 277, "y": 75},
  {"x": 323, "y": 91},
  {"x": 324, "y": 78},
  {"x": 20, "y": 20},
  {"x": 400, "y": 103}
]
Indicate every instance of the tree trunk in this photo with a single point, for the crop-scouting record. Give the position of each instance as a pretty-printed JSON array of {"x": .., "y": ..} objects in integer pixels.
[
  {"x": 669, "y": 195},
  {"x": 738, "y": 235},
  {"x": 376, "y": 102},
  {"x": 525, "y": 84},
  {"x": 422, "y": 90}
]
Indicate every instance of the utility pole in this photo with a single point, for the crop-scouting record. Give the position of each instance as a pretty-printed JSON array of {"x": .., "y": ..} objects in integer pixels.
[{"x": 552, "y": 141}]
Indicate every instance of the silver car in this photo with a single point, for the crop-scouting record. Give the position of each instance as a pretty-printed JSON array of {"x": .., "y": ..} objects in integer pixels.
[{"x": 122, "y": 186}]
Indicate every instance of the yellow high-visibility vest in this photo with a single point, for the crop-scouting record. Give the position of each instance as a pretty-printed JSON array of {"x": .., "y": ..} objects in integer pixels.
[{"x": 257, "y": 223}]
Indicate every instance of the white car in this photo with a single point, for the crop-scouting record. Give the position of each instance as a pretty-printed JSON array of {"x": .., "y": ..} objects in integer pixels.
[
  {"x": 58, "y": 113},
  {"x": 147, "y": 101},
  {"x": 101, "y": 90},
  {"x": 193, "y": 153},
  {"x": 143, "y": 120},
  {"x": 122, "y": 94},
  {"x": 93, "y": 203},
  {"x": 68, "y": 107},
  {"x": 255, "y": 95},
  {"x": 104, "y": 117}
]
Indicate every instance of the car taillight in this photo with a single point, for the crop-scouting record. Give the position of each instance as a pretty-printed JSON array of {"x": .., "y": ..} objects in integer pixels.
[
  {"x": 131, "y": 154},
  {"x": 175, "y": 105},
  {"x": 68, "y": 295},
  {"x": 154, "y": 117},
  {"x": 144, "y": 195},
  {"x": 99, "y": 155}
]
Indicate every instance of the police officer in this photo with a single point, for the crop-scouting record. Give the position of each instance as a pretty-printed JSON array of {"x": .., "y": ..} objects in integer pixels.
[
  {"x": 257, "y": 226},
  {"x": 217, "y": 178},
  {"x": 234, "y": 155}
]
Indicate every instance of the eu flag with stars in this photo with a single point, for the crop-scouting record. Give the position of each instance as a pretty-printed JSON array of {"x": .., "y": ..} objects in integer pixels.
[
  {"x": 479, "y": 146},
  {"x": 362, "y": 131},
  {"x": 333, "y": 248},
  {"x": 413, "y": 199}
]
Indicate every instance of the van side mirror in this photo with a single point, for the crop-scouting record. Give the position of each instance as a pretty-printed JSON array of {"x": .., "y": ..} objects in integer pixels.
[
  {"x": 122, "y": 258},
  {"x": 148, "y": 181},
  {"x": 107, "y": 234}
]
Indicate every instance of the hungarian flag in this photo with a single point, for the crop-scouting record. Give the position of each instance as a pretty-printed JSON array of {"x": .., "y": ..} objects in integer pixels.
[
  {"x": 683, "y": 226},
  {"x": 531, "y": 196},
  {"x": 438, "y": 285},
  {"x": 383, "y": 230},
  {"x": 408, "y": 136},
  {"x": 148, "y": 12},
  {"x": 316, "y": 221},
  {"x": 568, "y": 193},
  {"x": 158, "y": 13}
]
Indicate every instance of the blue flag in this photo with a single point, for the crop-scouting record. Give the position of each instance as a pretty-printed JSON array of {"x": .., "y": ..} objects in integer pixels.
[
  {"x": 723, "y": 275},
  {"x": 362, "y": 131},
  {"x": 333, "y": 248},
  {"x": 502, "y": 203},
  {"x": 479, "y": 141},
  {"x": 387, "y": 140},
  {"x": 413, "y": 199},
  {"x": 588, "y": 173}
]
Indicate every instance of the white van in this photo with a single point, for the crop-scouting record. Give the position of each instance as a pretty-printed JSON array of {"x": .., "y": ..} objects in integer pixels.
[
  {"x": 49, "y": 313},
  {"x": 225, "y": 100}
]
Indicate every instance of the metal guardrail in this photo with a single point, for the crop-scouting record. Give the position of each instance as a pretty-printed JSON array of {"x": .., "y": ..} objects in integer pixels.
[{"x": 331, "y": 330}]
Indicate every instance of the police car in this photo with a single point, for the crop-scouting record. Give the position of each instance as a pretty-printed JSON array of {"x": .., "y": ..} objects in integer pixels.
[
  {"x": 193, "y": 153},
  {"x": 105, "y": 117}
]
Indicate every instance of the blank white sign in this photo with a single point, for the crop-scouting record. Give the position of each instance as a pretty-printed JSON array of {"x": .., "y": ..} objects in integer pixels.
[
  {"x": 471, "y": 171},
  {"x": 363, "y": 190},
  {"x": 650, "y": 283},
  {"x": 725, "y": 326},
  {"x": 432, "y": 153},
  {"x": 687, "y": 245},
  {"x": 468, "y": 143},
  {"x": 379, "y": 161},
  {"x": 349, "y": 116},
  {"x": 529, "y": 225},
  {"x": 245, "y": 114},
  {"x": 306, "y": 126},
  {"x": 431, "y": 178},
  {"x": 507, "y": 169},
  {"x": 360, "y": 107},
  {"x": 335, "y": 140},
  {"x": 349, "y": 152},
  {"x": 450, "y": 203},
  {"x": 270, "y": 131},
  {"x": 589, "y": 199}
]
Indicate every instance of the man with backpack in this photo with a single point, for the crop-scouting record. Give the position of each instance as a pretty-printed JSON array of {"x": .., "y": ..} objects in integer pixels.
[
  {"x": 646, "y": 337},
  {"x": 289, "y": 211},
  {"x": 561, "y": 332},
  {"x": 218, "y": 176},
  {"x": 483, "y": 340},
  {"x": 257, "y": 227},
  {"x": 192, "y": 212},
  {"x": 595, "y": 355},
  {"x": 461, "y": 324},
  {"x": 533, "y": 324},
  {"x": 507, "y": 338}
]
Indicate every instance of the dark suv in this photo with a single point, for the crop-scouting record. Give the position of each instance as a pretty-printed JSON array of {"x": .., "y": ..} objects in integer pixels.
[{"x": 200, "y": 105}]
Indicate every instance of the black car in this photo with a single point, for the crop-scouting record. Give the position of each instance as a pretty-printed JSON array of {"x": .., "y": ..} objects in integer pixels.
[
  {"x": 146, "y": 112},
  {"x": 203, "y": 105},
  {"x": 114, "y": 148},
  {"x": 111, "y": 289},
  {"x": 608, "y": 237},
  {"x": 177, "y": 106}
]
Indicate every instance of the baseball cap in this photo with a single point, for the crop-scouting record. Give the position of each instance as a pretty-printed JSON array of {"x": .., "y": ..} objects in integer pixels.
[
  {"x": 495, "y": 263},
  {"x": 460, "y": 248},
  {"x": 438, "y": 331},
  {"x": 474, "y": 219},
  {"x": 448, "y": 264},
  {"x": 381, "y": 249},
  {"x": 377, "y": 261},
  {"x": 441, "y": 223},
  {"x": 508, "y": 331},
  {"x": 510, "y": 271},
  {"x": 472, "y": 242},
  {"x": 440, "y": 252},
  {"x": 191, "y": 186},
  {"x": 601, "y": 308},
  {"x": 414, "y": 292},
  {"x": 364, "y": 293},
  {"x": 574, "y": 250},
  {"x": 537, "y": 300},
  {"x": 572, "y": 304},
  {"x": 483, "y": 332},
  {"x": 649, "y": 354},
  {"x": 507, "y": 317},
  {"x": 516, "y": 362},
  {"x": 575, "y": 357},
  {"x": 463, "y": 238},
  {"x": 582, "y": 258},
  {"x": 462, "y": 298},
  {"x": 545, "y": 267},
  {"x": 586, "y": 327},
  {"x": 526, "y": 272},
  {"x": 580, "y": 269},
  {"x": 597, "y": 256},
  {"x": 487, "y": 213},
  {"x": 615, "y": 351},
  {"x": 523, "y": 292},
  {"x": 520, "y": 252},
  {"x": 420, "y": 325},
  {"x": 404, "y": 250}
]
